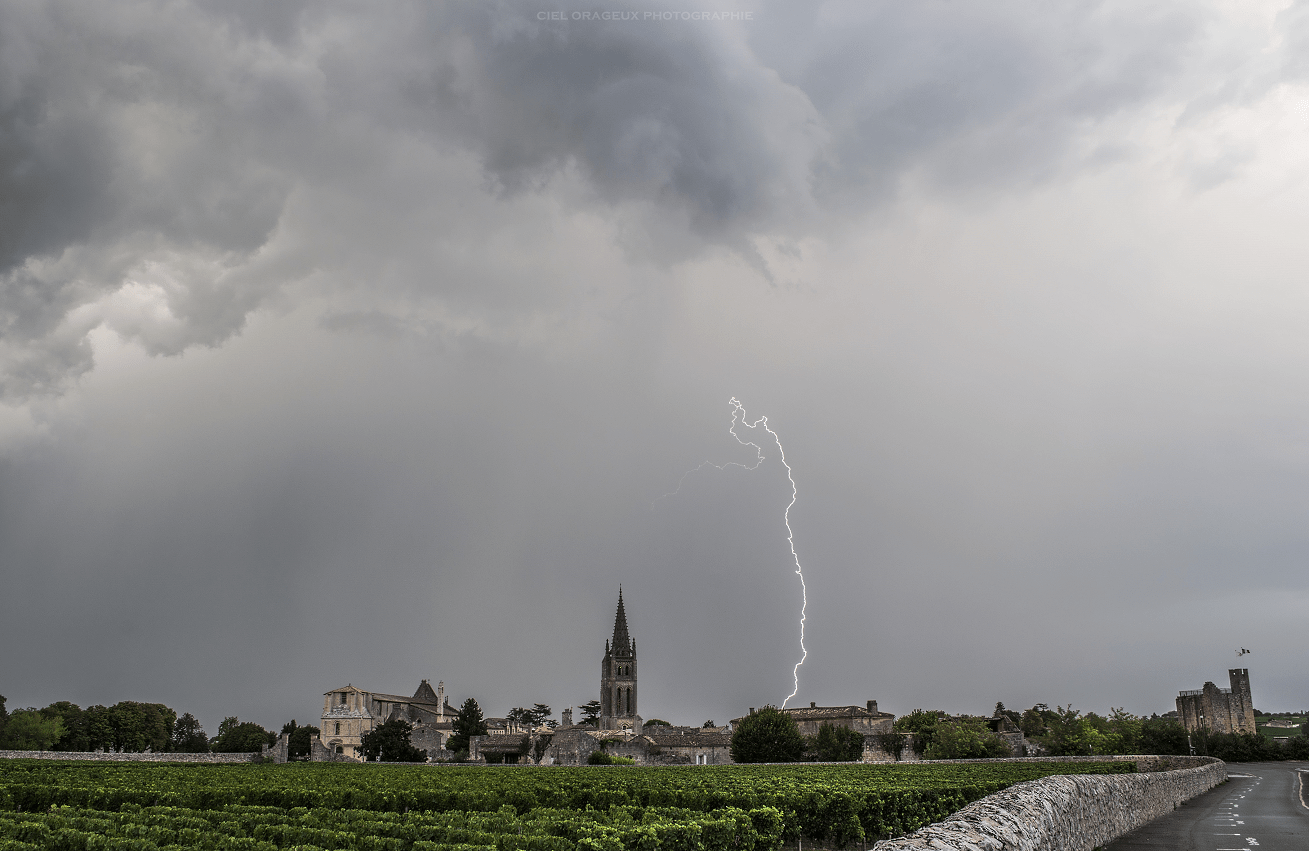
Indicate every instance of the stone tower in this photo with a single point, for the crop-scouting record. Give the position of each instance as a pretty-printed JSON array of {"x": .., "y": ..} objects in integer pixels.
[
  {"x": 1221, "y": 710},
  {"x": 618, "y": 677}
]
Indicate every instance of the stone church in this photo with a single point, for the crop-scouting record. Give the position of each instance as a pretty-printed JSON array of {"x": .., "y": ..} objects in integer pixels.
[
  {"x": 350, "y": 712},
  {"x": 618, "y": 678}
]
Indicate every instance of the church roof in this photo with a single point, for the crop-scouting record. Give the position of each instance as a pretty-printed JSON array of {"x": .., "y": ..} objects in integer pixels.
[
  {"x": 425, "y": 693},
  {"x": 622, "y": 643}
]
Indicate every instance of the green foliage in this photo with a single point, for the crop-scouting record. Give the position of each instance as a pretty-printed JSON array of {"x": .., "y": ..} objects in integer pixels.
[
  {"x": 300, "y": 742},
  {"x": 1008, "y": 713},
  {"x": 1163, "y": 736},
  {"x": 28, "y": 730},
  {"x": 540, "y": 714},
  {"x": 390, "y": 742},
  {"x": 236, "y": 736},
  {"x": 657, "y": 722},
  {"x": 892, "y": 743},
  {"x": 965, "y": 738},
  {"x": 335, "y": 805},
  {"x": 1248, "y": 747},
  {"x": 189, "y": 736},
  {"x": 4, "y": 717},
  {"x": 468, "y": 722},
  {"x": 1035, "y": 721},
  {"x": 769, "y": 735},
  {"x": 72, "y": 717},
  {"x": 602, "y": 758},
  {"x": 922, "y": 724},
  {"x": 590, "y": 712},
  {"x": 835, "y": 744}
]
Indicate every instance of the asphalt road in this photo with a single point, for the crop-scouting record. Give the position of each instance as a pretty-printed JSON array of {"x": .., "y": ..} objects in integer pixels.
[{"x": 1259, "y": 808}]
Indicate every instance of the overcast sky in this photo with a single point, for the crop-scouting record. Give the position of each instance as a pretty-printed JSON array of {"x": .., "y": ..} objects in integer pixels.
[{"x": 356, "y": 343}]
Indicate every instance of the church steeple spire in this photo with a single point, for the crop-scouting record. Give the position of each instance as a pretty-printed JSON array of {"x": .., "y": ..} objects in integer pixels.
[{"x": 622, "y": 643}]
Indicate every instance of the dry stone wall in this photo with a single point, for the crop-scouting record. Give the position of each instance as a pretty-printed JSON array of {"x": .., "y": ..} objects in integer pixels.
[
  {"x": 99, "y": 756},
  {"x": 1071, "y": 812}
]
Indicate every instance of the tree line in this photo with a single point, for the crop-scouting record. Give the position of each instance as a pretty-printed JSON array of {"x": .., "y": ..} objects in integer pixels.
[
  {"x": 134, "y": 727},
  {"x": 771, "y": 735}
]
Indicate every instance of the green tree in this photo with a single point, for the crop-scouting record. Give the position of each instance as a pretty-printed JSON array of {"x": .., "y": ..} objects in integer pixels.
[
  {"x": 519, "y": 717},
  {"x": 922, "y": 724},
  {"x": 299, "y": 740},
  {"x": 1008, "y": 713},
  {"x": 965, "y": 738},
  {"x": 28, "y": 730},
  {"x": 468, "y": 722},
  {"x": 4, "y": 717},
  {"x": 390, "y": 742},
  {"x": 235, "y": 736},
  {"x": 1035, "y": 722},
  {"x": 188, "y": 735},
  {"x": 99, "y": 727},
  {"x": 590, "y": 712},
  {"x": 657, "y": 722},
  {"x": 74, "y": 721},
  {"x": 769, "y": 735},
  {"x": 835, "y": 744},
  {"x": 1163, "y": 736},
  {"x": 137, "y": 727},
  {"x": 1069, "y": 733},
  {"x": 540, "y": 714}
]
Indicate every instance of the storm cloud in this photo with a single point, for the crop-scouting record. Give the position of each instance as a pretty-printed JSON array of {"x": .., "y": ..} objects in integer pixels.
[{"x": 347, "y": 343}]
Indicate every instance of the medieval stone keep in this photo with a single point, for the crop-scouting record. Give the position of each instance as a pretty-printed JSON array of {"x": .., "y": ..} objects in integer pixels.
[{"x": 1219, "y": 710}]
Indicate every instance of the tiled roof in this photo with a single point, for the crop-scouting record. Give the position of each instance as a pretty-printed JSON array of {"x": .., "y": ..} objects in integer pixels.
[
  {"x": 817, "y": 712},
  {"x": 690, "y": 740}
]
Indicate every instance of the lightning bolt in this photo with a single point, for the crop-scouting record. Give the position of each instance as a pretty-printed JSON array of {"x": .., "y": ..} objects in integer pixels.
[{"x": 738, "y": 418}]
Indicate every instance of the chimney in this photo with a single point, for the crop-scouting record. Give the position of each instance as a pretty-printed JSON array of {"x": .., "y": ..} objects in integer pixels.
[
  {"x": 872, "y": 707},
  {"x": 813, "y": 705},
  {"x": 751, "y": 710}
]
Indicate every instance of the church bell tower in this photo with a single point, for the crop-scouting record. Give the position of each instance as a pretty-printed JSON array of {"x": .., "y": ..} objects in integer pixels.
[{"x": 618, "y": 677}]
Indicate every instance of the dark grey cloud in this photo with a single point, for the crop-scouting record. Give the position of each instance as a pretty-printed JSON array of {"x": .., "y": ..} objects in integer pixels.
[
  {"x": 139, "y": 136},
  {"x": 352, "y": 343}
]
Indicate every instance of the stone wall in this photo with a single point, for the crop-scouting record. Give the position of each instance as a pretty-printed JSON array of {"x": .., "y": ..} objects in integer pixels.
[
  {"x": 1070, "y": 812},
  {"x": 132, "y": 757}
]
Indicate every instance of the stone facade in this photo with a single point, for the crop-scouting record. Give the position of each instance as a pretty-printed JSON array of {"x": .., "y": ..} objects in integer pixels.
[
  {"x": 618, "y": 692},
  {"x": 1066, "y": 812},
  {"x": 1219, "y": 710},
  {"x": 866, "y": 719},
  {"x": 649, "y": 745},
  {"x": 350, "y": 712},
  {"x": 687, "y": 746}
]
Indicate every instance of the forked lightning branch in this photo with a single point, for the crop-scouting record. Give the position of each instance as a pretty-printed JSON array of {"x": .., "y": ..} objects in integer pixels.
[{"x": 739, "y": 419}]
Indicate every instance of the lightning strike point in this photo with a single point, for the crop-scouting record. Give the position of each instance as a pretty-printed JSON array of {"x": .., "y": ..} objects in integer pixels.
[{"x": 738, "y": 418}]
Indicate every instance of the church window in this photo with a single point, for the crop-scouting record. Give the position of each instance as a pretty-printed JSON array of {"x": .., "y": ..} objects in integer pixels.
[{"x": 338, "y": 730}]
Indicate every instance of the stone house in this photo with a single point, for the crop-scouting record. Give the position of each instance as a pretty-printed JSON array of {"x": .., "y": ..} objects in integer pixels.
[{"x": 866, "y": 719}]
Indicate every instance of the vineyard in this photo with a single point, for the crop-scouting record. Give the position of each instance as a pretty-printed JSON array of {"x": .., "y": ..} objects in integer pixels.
[{"x": 147, "y": 806}]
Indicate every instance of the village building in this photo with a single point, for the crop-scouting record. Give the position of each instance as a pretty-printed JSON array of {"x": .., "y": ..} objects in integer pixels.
[
  {"x": 866, "y": 719},
  {"x": 350, "y": 712}
]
